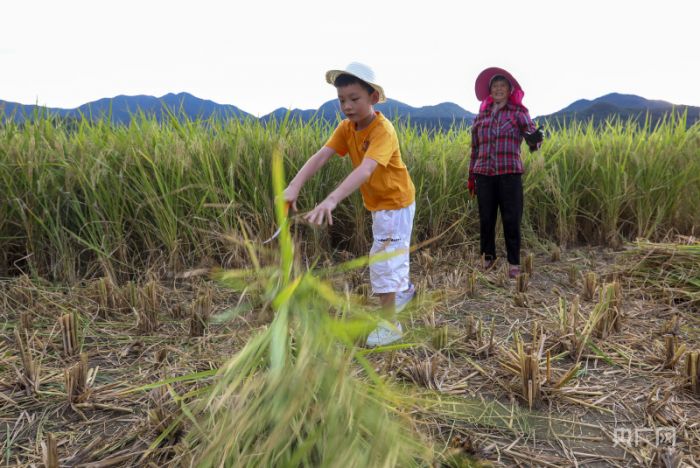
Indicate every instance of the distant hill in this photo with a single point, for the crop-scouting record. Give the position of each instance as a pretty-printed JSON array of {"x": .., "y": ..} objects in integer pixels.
[
  {"x": 441, "y": 115},
  {"x": 121, "y": 108},
  {"x": 626, "y": 106}
]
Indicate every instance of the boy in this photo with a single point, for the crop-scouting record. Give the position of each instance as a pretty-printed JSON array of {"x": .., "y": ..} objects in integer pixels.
[{"x": 382, "y": 177}]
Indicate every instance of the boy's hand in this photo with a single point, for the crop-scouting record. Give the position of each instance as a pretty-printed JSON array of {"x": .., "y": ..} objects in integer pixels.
[
  {"x": 471, "y": 185},
  {"x": 290, "y": 195},
  {"x": 321, "y": 213}
]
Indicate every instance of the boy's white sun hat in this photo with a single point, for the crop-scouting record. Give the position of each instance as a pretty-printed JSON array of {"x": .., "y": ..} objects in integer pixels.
[{"x": 358, "y": 70}]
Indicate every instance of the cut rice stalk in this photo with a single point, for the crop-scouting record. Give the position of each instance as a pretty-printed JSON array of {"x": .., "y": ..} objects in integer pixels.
[
  {"x": 69, "y": 334},
  {"x": 590, "y": 283},
  {"x": 30, "y": 369},
  {"x": 692, "y": 371},
  {"x": 49, "y": 451}
]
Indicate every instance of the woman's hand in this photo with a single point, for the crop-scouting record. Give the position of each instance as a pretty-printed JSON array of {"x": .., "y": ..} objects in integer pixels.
[
  {"x": 535, "y": 137},
  {"x": 322, "y": 213}
]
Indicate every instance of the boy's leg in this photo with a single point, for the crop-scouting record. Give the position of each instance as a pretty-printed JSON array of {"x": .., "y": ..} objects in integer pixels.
[
  {"x": 387, "y": 302},
  {"x": 391, "y": 232},
  {"x": 511, "y": 205},
  {"x": 487, "y": 199}
]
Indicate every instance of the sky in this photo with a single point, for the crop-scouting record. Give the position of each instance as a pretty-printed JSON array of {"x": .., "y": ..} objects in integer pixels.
[{"x": 260, "y": 55}]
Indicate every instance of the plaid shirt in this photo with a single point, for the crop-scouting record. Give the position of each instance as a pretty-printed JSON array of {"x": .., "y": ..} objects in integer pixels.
[{"x": 496, "y": 139}]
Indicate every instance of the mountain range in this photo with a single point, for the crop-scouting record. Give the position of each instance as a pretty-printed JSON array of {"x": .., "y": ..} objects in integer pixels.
[
  {"x": 625, "y": 106},
  {"x": 122, "y": 108}
]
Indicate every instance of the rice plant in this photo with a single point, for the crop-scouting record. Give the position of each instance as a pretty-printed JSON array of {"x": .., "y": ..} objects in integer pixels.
[{"x": 90, "y": 198}]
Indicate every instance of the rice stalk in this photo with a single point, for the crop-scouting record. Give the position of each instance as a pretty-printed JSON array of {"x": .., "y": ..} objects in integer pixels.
[
  {"x": 130, "y": 297},
  {"x": 69, "y": 334},
  {"x": 529, "y": 263},
  {"x": 530, "y": 375},
  {"x": 440, "y": 337},
  {"x": 164, "y": 414},
  {"x": 77, "y": 382},
  {"x": 607, "y": 314},
  {"x": 200, "y": 313},
  {"x": 107, "y": 300},
  {"x": 29, "y": 377},
  {"x": 148, "y": 308},
  {"x": 421, "y": 372},
  {"x": 590, "y": 284},
  {"x": 692, "y": 371},
  {"x": 471, "y": 288},
  {"x": 520, "y": 300},
  {"x": 524, "y": 361},
  {"x": 668, "y": 457},
  {"x": 555, "y": 254},
  {"x": 521, "y": 282},
  {"x": 573, "y": 274},
  {"x": 49, "y": 450},
  {"x": 672, "y": 327},
  {"x": 25, "y": 321},
  {"x": 471, "y": 327}
]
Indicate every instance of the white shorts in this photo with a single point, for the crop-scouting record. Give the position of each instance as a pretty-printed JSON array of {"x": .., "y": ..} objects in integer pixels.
[{"x": 391, "y": 231}]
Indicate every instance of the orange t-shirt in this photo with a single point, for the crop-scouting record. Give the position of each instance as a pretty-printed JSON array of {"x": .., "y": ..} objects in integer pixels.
[{"x": 389, "y": 187}]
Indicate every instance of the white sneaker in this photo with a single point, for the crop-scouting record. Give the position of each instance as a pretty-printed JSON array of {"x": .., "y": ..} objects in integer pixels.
[
  {"x": 384, "y": 334},
  {"x": 404, "y": 297}
]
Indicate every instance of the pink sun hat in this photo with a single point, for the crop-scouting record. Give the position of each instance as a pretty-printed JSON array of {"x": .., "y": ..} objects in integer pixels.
[{"x": 483, "y": 82}]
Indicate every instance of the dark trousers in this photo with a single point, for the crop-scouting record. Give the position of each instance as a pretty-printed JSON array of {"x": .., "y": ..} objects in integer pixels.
[{"x": 504, "y": 192}]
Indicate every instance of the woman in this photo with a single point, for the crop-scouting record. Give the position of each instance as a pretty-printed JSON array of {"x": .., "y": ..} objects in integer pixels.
[{"x": 495, "y": 168}]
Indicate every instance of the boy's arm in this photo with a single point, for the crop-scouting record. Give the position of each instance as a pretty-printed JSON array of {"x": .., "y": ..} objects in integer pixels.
[
  {"x": 322, "y": 211},
  {"x": 312, "y": 165}
]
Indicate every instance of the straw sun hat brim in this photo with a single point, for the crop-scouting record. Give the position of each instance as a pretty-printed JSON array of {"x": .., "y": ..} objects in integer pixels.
[{"x": 332, "y": 75}]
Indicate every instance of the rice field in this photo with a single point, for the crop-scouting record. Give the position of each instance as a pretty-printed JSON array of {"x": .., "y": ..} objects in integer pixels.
[{"x": 144, "y": 323}]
